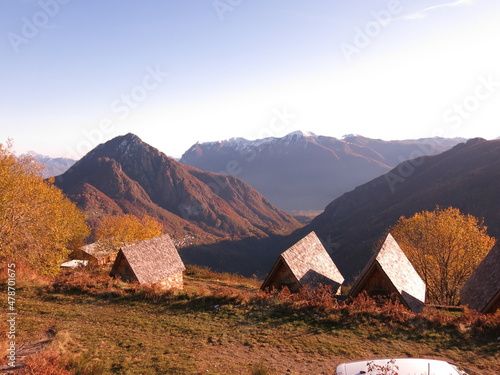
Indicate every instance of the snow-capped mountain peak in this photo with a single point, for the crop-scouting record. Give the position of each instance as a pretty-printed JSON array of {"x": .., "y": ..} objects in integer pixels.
[
  {"x": 239, "y": 143},
  {"x": 301, "y": 133}
]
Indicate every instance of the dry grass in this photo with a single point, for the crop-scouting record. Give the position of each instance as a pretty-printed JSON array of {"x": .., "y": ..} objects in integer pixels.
[
  {"x": 47, "y": 362},
  {"x": 224, "y": 324}
]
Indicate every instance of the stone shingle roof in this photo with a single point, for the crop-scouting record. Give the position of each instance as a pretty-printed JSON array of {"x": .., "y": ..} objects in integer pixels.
[
  {"x": 96, "y": 251},
  {"x": 484, "y": 284},
  {"x": 152, "y": 260},
  {"x": 310, "y": 263},
  {"x": 399, "y": 272}
]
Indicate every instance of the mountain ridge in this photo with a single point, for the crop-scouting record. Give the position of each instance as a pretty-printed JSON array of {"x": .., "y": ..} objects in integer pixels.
[
  {"x": 466, "y": 177},
  {"x": 283, "y": 169},
  {"x": 126, "y": 175},
  {"x": 51, "y": 166}
]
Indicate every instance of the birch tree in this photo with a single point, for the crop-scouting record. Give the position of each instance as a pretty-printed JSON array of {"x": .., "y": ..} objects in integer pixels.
[
  {"x": 38, "y": 224},
  {"x": 445, "y": 247}
]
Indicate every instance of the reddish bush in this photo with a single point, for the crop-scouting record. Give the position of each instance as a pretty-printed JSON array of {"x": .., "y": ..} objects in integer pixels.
[{"x": 46, "y": 362}]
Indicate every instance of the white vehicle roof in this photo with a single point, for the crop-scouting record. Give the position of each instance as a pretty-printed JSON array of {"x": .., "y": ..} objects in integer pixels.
[{"x": 406, "y": 366}]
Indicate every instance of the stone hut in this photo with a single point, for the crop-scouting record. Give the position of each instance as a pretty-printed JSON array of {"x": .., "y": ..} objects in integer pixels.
[
  {"x": 153, "y": 261},
  {"x": 390, "y": 273},
  {"x": 482, "y": 290},
  {"x": 94, "y": 254},
  {"x": 305, "y": 263}
]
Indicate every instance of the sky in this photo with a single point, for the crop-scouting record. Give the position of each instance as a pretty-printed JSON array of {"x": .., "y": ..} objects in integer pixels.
[{"x": 76, "y": 73}]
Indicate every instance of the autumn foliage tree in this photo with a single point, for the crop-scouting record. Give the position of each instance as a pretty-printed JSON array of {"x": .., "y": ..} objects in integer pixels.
[
  {"x": 114, "y": 232},
  {"x": 445, "y": 247},
  {"x": 38, "y": 224}
]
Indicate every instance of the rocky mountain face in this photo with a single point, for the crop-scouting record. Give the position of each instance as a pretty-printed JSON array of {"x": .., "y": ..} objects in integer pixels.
[
  {"x": 52, "y": 166},
  {"x": 467, "y": 177},
  {"x": 303, "y": 171},
  {"x": 125, "y": 175}
]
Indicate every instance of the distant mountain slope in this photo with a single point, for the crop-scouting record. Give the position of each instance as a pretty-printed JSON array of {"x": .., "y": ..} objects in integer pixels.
[
  {"x": 52, "y": 166},
  {"x": 466, "y": 177},
  {"x": 302, "y": 171},
  {"x": 125, "y": 175}
]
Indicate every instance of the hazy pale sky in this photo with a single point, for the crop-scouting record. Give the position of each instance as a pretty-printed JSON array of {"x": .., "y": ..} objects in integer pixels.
[{"x": 75, "y": 73}]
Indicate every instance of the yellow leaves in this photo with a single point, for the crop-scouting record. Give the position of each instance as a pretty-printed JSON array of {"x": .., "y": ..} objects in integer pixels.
[
  {"x": 114, "y": 232},
  {"x": 445, "y": 247},
  {"x": 38, "y": 224}
]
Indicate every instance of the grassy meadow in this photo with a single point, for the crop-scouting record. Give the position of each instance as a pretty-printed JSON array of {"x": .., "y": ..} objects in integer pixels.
[{"x": 87, "y": 323}]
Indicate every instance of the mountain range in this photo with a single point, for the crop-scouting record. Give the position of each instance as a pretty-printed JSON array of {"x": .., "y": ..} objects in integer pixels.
[
  {"x": 222, "y": 222},
  {"x": 303, "y": 171},
  {"x": 126, "y": 175},
  {"x": 466, "y": 177},
  {"x": 51, "y": 166}
]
